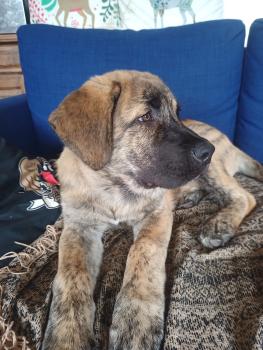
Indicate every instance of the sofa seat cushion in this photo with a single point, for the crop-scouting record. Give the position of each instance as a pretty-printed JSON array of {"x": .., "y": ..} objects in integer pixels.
[
  {"x": 249, "y": 134},
  {"x": 201, "y": 63}
]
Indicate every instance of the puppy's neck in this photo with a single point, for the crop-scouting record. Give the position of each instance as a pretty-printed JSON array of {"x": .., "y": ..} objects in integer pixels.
[
  {"x": 108, "y": 192},
  {"x": 71, "y": 167}
]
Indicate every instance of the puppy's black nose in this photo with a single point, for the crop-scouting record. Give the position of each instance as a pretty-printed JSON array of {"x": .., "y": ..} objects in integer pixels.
[{"x": 203, "y": 151}]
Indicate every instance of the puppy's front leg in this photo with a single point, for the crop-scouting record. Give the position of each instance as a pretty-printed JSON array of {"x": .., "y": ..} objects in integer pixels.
[
  {"x": 70, "y": 323},
  {"x": 139, "y": 310}
]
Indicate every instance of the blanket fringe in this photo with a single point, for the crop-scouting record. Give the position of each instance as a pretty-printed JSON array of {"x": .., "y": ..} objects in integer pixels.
[
  {"x": 8, "y": 339},
  {"x": 25, "y": 259}
]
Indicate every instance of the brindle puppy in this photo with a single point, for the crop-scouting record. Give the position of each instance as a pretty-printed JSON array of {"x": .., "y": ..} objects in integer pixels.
[{"x": 124, "y": 147}]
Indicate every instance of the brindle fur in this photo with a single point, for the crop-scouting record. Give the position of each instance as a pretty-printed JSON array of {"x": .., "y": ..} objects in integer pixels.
[
  {"x": 104, "y": 152},
  {"x": 219, "y": 181}
]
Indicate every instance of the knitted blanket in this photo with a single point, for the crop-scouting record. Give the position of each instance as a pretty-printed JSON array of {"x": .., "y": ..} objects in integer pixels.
[{"x": 214, "y": 298}]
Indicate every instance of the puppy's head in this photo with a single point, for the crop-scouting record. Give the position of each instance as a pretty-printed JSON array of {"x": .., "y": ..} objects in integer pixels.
[{"x": 126, "y": 123}]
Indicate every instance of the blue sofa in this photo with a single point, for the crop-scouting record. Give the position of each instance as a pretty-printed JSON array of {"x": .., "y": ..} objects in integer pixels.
[{"x": 215, "y": 78}]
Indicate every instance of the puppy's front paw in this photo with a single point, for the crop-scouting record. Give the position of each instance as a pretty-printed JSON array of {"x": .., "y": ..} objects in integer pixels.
[
  {"x": 190, "y": 200},
  {"x": 216, "y": 233},
  {"x": 70, "y": 322},
  {"x": 62, "y": 337},
  {"x": 136, "y": 325}
]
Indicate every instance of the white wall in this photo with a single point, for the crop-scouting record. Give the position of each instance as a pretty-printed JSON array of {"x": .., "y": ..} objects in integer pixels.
[{"x": 246, "y": 10}]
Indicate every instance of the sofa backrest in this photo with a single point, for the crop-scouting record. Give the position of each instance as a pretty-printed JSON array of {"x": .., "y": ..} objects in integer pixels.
[
  {"x": 249, "y": 132},
  {"x": 201, "y": 63}
]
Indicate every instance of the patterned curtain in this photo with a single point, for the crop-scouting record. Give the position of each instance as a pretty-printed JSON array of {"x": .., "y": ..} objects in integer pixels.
[{"x": 123, "y": 14}]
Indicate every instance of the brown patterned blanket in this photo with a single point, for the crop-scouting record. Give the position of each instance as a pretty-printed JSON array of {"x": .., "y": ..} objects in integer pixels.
[{"x": 214, "y": 298}]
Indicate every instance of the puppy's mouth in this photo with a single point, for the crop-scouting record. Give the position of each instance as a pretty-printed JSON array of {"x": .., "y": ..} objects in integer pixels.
[
  {"x": 146, "y": 184},
  {"x": 169, "y": 182}
]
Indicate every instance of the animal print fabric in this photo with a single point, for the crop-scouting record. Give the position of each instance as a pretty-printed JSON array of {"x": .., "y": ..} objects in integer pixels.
[{"x": 214, "y": 298}]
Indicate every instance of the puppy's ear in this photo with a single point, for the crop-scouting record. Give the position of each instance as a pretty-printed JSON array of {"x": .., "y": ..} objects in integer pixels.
[{"x": 84, "y": 121}]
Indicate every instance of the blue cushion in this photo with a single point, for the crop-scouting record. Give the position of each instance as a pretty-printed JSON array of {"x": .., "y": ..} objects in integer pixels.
[
  {"x": 249, "y": 136},
  {"x": 201, "y": 63},
  {"x": 16, "y": 124}
]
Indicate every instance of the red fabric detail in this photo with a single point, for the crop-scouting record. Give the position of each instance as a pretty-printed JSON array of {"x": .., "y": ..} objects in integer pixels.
[{"x": 49, "y": 177}]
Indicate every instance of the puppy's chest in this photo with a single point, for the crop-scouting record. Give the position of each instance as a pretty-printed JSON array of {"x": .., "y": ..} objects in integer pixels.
[{"x": 125, "y": 213}]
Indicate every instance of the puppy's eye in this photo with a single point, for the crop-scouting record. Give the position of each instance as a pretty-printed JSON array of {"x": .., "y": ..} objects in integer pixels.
[{"x": 146, "y": 117}]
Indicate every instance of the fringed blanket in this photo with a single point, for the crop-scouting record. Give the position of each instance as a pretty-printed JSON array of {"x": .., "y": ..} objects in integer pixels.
[{"x": 214, "y": 298}]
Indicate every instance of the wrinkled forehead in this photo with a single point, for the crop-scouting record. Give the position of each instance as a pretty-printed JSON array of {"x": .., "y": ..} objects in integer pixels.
[
  {"x": 157, "y": 95},
  {"x": 147, "y": 94}
]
